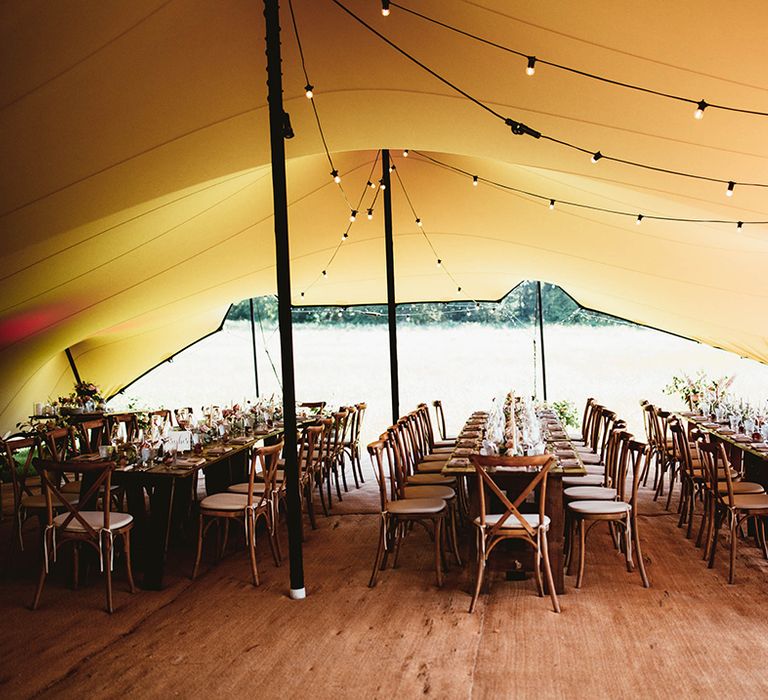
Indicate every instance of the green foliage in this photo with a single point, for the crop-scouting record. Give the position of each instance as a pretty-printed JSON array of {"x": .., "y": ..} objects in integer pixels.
[
  {"x": 694, "y": 389},
  {"x": 566, "y": 411},
  {"x": 519, "y": 307}
]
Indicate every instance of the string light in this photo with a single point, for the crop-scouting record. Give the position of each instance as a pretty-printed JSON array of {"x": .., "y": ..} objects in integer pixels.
[
  {"x": 439, "y": 262},
  {"x": 344, "y": 236},
  {"x": 382, "y": 184},
  {"x": 392, "y": 168},
  {"x": 729, "y": 191},
  {"x": 418, "y": 223},
  {"x": 474, "y": 180},
  {"x": 639, "y": 219},
  {"x": 531, "y": 68},
  {"x": 325, "y": 273},
  {"x": 336, "y": 177},
  {"x": 309, "y": 91},
  {"x": 385, "y": 8},
  {"x": 353, "y": 215},
  {"x": 370, "y": 184},
  {"x": 700, "y": 107},
  {"x": 370, "y": 214},
  {"x": 596, "y": 156},
  {"x": 739, "y": 224},
  {"x": 551, "y": 204},
  {"x": 405, "y": 153}
]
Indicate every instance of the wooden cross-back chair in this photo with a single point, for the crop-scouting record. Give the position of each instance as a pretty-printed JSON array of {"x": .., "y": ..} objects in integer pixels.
[
  {"x": 316, "y": 406},
  {"x": 124, "y": 426},
  {"x": 92, "y": 434},
  {"x": 352, "y": 445},
  {"x": 336, "y": 448},
  {"x": 161, "y": 418},
  {"x": 248, "y": 508},
  {"x": 396, "y": 515},
  {"x": 586, "y": 421},
  {"x": 183, "y": 416},
  {"x": 80, "y": 522},
  {"x": 726, "y": 504},
  {"x": 346, "y": 442},
  {"x": 493, "y": 528},
  {"x": 440, "y": 419}
]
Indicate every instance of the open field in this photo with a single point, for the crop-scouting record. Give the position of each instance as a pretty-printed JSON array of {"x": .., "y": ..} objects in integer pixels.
[{"x": 465, "y": 365}]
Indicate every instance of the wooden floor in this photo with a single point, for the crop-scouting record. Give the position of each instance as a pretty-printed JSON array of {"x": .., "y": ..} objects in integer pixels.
[{"x": 691, "y": 634}]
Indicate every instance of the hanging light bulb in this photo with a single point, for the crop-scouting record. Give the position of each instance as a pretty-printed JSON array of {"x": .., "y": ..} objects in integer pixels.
[
  {"x": 392, "y": 168},
  {"x": 382, "y": 184},
  {"x": 352, "y": 215},
  {"x": 596, "y": 156},
  {"x": 639, "y": 219},
  {"x": 302, "y": 294},
  {"x": 729, "y": 191},
  {"x": 551, "y": 204},
  {"x": 440, "y": 262},
  {"x": 325, "y": 273},
  {"x": 700, "y": 107},
  {"x": 370, "y": 214},
  {"x": 531, "y": 68},
  {"x": 418, "y": 223},
  {"x": 336, "y": 177},
  {"x": 308, "y": 91},
  {"x": 474, "y": 180},
  {"x": 370, "y": 184},
  {"x": 385, "y": 8},
  {"x": 459, "y": 289},
  {"x": 739, "y": 224},
  {"x": 405, "y": 153},
  {"x": 344, "y": 236}
]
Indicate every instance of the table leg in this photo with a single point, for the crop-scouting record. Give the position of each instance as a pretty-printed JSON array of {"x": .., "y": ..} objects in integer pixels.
[{"x": 154, "y": 543}]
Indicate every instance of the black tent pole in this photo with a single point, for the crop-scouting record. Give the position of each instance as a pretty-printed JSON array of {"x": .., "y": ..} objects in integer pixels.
[
  {"x": 283, "y": 264},
  {"x": 541, "y": 334},
  {"x": 253, "y": 342},
  {"x": 391, "y": 306}
]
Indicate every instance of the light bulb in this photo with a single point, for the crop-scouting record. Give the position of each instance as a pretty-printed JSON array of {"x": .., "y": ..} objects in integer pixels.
[
  {"x": 418, "y": 223},
  {"x": 382, "y": 184},
  {"x": 370, "y": 214},
  {"x": 405, "y": 153},
  {"x": 344, "y": 236},
  {"x": 551, "y": 203},
  {"x": 371, "y": 185},
  {"x": 739, "y": 224},
  {"x": 353, "y": 215},
  {"x": 309, "y": 88},
  {"x": 639, "y": 219},
  {"x": 325, "y": 273},
  {"x": 596, "y": 156},
  {"x": 440, "y": 262},
  {"x": 531, "y": 68},
  {"x": 302, "y": 294},
  {"x": 336, "y": 177},
  {"x": 459, "y": 289},
  {"x": 700, "y": 107},
  {"x": 729, "y": 191},
  {"x": 474, "y": 180},
  {"x": 392, "y": 168},
  {"x": 385, "y": 8}
]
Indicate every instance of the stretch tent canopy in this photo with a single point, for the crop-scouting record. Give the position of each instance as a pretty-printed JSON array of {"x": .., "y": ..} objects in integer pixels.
[{"x": 135, "y": 200}]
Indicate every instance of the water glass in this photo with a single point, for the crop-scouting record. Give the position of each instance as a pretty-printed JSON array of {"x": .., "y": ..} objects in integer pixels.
[
  {"x": 734, "y": 421},
  {"x": 749, "y": 426}
]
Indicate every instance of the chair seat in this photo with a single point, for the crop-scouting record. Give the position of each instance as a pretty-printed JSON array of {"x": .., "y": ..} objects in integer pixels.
[
  {"x": 594, "y": 469},
  {"x": 429, "y": 491},
  {"x": 436, "y": 457},
  {"x": 590, "y": 493},
  {"x": 600, "y": 507},
  {"x": 38, "y": 500},
  {"x": 512, "y": 522},
  {"x": 430, "y": 479},
  {"x": 95, "y": 518},
  {"x": 279, "y": 476},
  {"x": 741, "y": 487},
  {"x": 430, "y": 467},
  {"x": 750, "y": 501},
  {"x": 225, "y": 501},
  {"x": 590, "y": 458},
  {"x": 416, "y": 506},
  {"x": 444, "y": 450},
  {"x": 258, "y": 487},
  {"x": 589, "y": 480}
]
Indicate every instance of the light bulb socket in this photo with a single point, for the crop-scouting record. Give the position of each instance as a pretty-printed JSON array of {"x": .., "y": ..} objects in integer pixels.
[
  {"x": 700, "y": 107},
  {"x": 325, "y": 273},
  {"x": 418, "y": 222},
  {"x": 531, "y": 67},
  {"x": 309, "y": 91},
  {"x": 287, "y": 128},
  {"x": 370, "y": 214},
  {"x": 353, "y": 215},
  {"x": 739, "y": 224},
  {"x": 336, "y": 177},
  {"x": 729, "y": 191},
  {"x": 344, "y": 236},
  {"x": 639, "y": 219},
  {"x": 439, "y": 262},
  {"x": 475, "y": 180},
  {"x": 596, "y": 156},
  {"x": 405, "y": 152},
  {"x": 551, "y": 203},
  {"x": 459, "y": 289}
]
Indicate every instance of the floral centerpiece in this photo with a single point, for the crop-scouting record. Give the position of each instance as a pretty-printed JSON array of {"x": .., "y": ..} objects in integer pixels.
[
  {"x": 701, "y": 393},
  {"x": 86, "y": 398}
]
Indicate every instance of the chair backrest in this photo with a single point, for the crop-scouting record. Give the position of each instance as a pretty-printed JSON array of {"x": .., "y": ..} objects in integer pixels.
[
  {"x": 595, "y": 426},
  {"x": 183, "y": 416},
  {"x": 716, "y": 465},
  {"x": 426, "y": 424},
  {"x": 99, "y": 477},
  {"x": 586, "y": 419},
  {"x": 440, "y": 416},
  {"x": 309, "y": 449},
  {"x": 26, "y": 448},
  {"x": 60, "y": 443},
  {"x": 338, "y": 431},
  {"x": 614, "y": 447},
  {"x": 316, "y": 406},
  {"x": 93, "y": 433},
  {"x": 634, "y": 455},
  {"x": 160, "y": 418},
  {"x": 418, "y": 439},
  {"x": 124, "y": 425},
  {"x": 608, "y": 422},
  {"x": 361, "y": 407},
  {"x": 400, "y": 450},
  {"x": 536, "y": 467},
  {"x": 377, "y": 451},
  {"x": 264, "y": 461}
]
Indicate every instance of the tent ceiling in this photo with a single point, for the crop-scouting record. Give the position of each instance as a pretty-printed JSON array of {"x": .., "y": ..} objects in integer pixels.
[{"x": 135, "y": 201}]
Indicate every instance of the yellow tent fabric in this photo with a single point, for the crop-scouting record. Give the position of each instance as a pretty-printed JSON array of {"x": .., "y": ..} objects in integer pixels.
[{"x": 135, "y": 192}]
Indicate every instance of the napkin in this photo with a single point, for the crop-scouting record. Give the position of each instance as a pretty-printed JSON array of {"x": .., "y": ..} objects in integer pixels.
[{"x": 189, "y": 461}]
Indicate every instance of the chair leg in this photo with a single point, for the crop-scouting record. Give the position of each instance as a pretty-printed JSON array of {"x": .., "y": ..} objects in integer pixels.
[
  {"x": 628, "y": 545},
  {"x": 354, "y": 471},
  {"x": 548, "y": 571},
  {"x": 760, "y": 528},
  {"x": 639, "y": 555},
  {"x": 250, "y": 525},
  {"x": 732, "y": 566},
  {"x": 310, "y": 505},
  {"x": 336, "y": 480},
  {"x": 398, "y": 540},
  {"x": 359, "y": 464},
  {"x": 438, "y": 551},
  {"x": 75, "y": 565},
  {"x": 128, "y": 567},
  {"x": 706, "y": 522},
  {"x": 454, "y": 536},
  {"x": 107, "y": 556},
  {"x": 582, "y": 548},
  {"x": 480, "y": 568},
  {"x": 225, "y": 538},
  {"x": 377, "y": 562},
  {"x": 682, "y": 508},
  {"x": 537, "y": 568},
  {"x": 718, "y": 522},
  {"x": 672, "y": 472},
  {"x": 199, "y": 548},
  {"x": 323, "y": 504}
]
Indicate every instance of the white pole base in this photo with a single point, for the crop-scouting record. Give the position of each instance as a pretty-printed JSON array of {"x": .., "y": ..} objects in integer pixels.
[{"x": 298, "y": 593}]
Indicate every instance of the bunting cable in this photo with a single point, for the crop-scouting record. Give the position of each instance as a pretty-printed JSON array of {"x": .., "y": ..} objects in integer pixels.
[{"x": 519, "y": 129}]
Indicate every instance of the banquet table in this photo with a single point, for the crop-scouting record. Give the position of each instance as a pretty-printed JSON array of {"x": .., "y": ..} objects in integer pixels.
[
  {"x": 171, "y": 496},
  {"x": 513, "y": 557}
]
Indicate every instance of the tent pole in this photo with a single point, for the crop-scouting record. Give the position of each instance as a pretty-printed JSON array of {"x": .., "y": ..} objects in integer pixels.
[
  {"x": 391, "y": 305},
  {"x": 253, "y": 342},
  {"x": 283, "y": 265},
  {"x": 73, "y": 366},
  {"x": 541, "y": 335}
]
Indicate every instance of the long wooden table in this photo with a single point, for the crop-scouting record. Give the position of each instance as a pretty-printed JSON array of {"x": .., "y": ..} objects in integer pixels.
[{"x": 569, "y": 463}]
